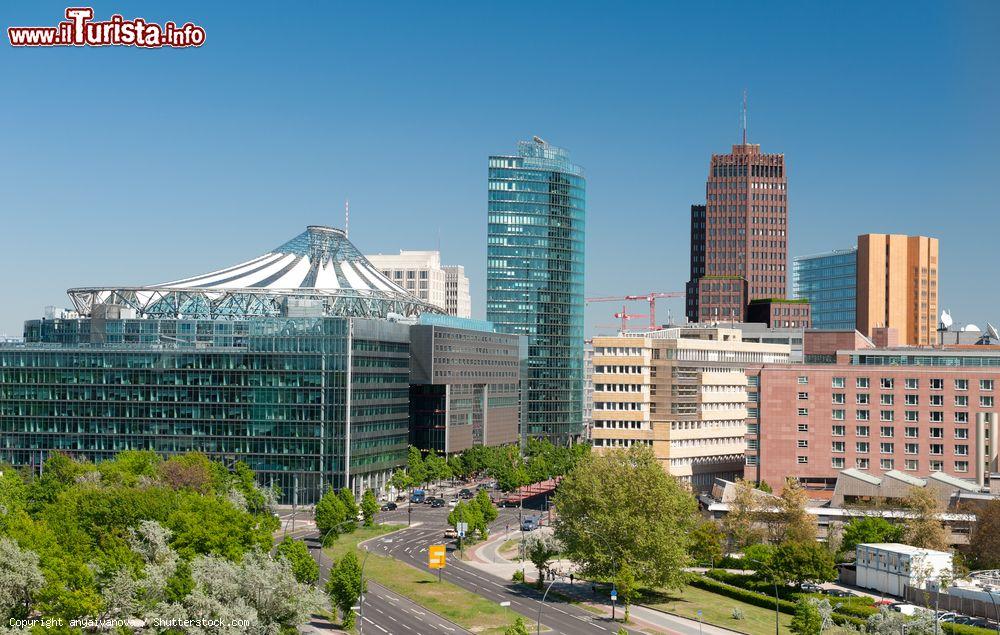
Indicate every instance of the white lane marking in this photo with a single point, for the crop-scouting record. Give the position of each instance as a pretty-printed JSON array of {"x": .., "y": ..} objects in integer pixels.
[
  {"x": 376, "y": 625},
  {"x": 417, "y": 612}
]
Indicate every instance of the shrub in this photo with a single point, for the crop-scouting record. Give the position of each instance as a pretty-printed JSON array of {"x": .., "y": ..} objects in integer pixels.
[
  {"x": 737, "y": 613},
  {"x": 518, "y": 576}
]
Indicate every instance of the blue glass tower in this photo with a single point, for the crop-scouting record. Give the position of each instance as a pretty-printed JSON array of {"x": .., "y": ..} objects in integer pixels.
[
  {"x": 829, "y": 282},
  {"x": 534, "y": 279}
]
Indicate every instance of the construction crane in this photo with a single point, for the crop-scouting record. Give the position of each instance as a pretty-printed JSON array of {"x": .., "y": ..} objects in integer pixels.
[
  {"x": 625, "y": 317},
  {"x": 648, "y": 297}
]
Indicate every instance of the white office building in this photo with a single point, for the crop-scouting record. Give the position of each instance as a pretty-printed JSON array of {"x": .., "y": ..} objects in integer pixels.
[
  {"x": 891, "y": 567},
  {"x": 421, "y": 273}
]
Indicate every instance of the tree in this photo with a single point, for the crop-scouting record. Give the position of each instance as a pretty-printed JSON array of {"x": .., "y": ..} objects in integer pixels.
[
  {"x": 798, "y": 562},
  {"x": 415, "y": 467},
  {"x": 20, "y": 579},
  {"x": 627, "y": 587},
  {"x": 622, "y": 507},
  {"x": 984, "y": 547},
  {"x": 924, "y": 529},
  {"x": 297, "y": 554},
  {"x": 350, "y": 509},
  {"x": 807, "y": 619},
  {"x": 260, "y": 589},
  {"x": 486, "y": 507},
  {"x": 740, "y": 523},
  {"x": 887, "y": 622},
  {"x": 345, "y": 587},
  {"x": 517, "y": 628},
  {"x": 437, "y": 467},
  {"x": 797, "y": 525},
  {"x": 128, "y": 467},
  {"x": 189, "y": 471},
  {"x": 330, "y": 514},
  {"x": 541, "y": 548},
  {"x": 706, "y": 542},
  {"x": 869, "y": 529},
  {"x": 369, "y": 507},
  {"x": 401, "y": 481}
]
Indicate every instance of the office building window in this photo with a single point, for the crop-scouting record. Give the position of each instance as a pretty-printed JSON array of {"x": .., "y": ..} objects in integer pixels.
[
  {"x": 911, "y": 465},
  {"x": 912, "y": 383},
  {"x": 837, "y": 382},
  {"x": 862, "y": 382}
]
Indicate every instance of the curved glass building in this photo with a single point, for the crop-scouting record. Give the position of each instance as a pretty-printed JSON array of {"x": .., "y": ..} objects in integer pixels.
[
  {"x": 296, "y": 362},
  {"x": 535, "y": 266}
]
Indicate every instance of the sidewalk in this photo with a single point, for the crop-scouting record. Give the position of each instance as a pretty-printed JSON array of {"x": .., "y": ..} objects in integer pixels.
[{"x": 486, "y": 557}]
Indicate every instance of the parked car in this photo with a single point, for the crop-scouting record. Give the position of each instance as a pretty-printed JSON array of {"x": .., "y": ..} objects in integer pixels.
[
  {"x": 529, "y": 524},
  {"x": 388, "y": 507},
  {"x": 450, "y": 534},
  {"x": 972, "y": 621},
  {"x": 453, "y": 502},
  {"x": 437, "y": 502},
  {"x": 946, "y": 616},
  {"x": 809, "y": 587},
  {"x": 839, "y": 593},
  {"x": 419, "y": 496},
  {"x": 400, "y": 498},
  {"x": 466, "y": 493}
]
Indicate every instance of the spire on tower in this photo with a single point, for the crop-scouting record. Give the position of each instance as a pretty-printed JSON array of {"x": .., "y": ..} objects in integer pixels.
[
  {"x": 347, "y": 217},
  {"x": 744, "y": 118}
]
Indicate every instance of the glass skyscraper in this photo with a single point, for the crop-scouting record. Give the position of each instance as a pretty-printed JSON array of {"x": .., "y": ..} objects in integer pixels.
[
  {"x": 305, "y": 402},
  {"x": 534, "y": 278},
  {"x": 829, "y": 282}
]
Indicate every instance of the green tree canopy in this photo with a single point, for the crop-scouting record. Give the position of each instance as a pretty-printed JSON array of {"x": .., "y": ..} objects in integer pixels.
[
  {"x": 869, "y": 529},
  {"x": 807, "y": 619},
  {"x": 621, "y": 507},
  {"x": 798, "y": 562},
  {"x": 369, "y": 508},
  {"x": 984, "y": 547},
  {"x": 345, "y": 587},
  {"x": 925, "y": 529},
  {"x": 706, "y": 542},
  {"x": 297, "y": 554},
  {"x": 330, "y": 515}
]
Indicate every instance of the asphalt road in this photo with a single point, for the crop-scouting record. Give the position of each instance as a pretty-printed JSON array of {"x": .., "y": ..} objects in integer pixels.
[
  {"x": 410, "y": 546},
  {"x": 384, "y": 612}
]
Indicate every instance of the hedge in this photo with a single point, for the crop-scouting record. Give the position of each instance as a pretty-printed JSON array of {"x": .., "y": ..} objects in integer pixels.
[
  {"x": 848, "y": 613},
  {"x": 854, "y": 607},
  {"x": 764, "y": 601}
]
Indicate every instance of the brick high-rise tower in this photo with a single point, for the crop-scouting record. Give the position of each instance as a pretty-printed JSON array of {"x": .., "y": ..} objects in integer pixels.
[{"x": 745, "y": 234}]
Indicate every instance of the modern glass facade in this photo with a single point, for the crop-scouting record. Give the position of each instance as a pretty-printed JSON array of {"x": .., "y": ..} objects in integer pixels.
[
  {"x": 829, "y": 282},
  {"x": 305, "y": 402},
  {"x": 535, "y": 266}
]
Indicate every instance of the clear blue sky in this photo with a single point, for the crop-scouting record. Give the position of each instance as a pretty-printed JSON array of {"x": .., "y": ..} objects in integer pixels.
[{"x": 126, "y": 166}]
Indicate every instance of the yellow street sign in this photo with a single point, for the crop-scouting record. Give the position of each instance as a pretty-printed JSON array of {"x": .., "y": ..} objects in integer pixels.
[{"x": 436, "y": 556}]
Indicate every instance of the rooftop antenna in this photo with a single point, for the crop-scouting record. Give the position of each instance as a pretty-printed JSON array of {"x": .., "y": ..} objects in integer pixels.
[
  {"x": 744, "y": 118},
  {"x": 347, "y": 218}
]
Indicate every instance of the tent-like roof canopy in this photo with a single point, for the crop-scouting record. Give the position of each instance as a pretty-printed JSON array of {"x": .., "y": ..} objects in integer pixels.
[{"x": 320, "y": 264}]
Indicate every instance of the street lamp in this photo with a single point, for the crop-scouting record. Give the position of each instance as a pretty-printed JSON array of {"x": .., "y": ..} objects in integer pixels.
[
  {"x": 989, "y": 592},
  {"x": 776, "y": 611},
  {"x": 614, "y": 567},
  {"x": 538, "y": 622}
]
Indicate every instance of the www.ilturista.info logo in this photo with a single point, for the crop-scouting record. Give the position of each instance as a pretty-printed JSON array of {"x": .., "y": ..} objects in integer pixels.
[{"x": 79, "y": 29}]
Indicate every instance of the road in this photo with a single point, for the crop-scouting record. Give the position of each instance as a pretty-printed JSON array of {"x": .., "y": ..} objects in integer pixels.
[
  {"x": 384, "y": 612},
  {"x": 410, "y": 546}
]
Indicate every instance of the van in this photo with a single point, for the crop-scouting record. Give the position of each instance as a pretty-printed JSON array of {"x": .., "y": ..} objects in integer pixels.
[{"x": 418, "y": 496}]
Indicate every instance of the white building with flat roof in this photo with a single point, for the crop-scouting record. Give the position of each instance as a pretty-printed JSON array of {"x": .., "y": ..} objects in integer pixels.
[
  {"x": 421, "y": 273},
  {"x": 890, "y": 567}
]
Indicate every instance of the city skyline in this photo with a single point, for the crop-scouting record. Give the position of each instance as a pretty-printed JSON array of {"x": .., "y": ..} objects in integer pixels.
[{"x": 922, "y": 73}]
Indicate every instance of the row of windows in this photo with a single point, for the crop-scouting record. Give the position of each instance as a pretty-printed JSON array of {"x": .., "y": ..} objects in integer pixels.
[
  {"x": 888, "y": 432},
  {"x": 909, "y": 383}
]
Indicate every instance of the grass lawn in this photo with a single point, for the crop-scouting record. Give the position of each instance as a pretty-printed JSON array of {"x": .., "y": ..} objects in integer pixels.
[
  {"x": 466, "y": 609},
  {"x": 718, "y": 609},
  {"x": 509, "y": 549}
]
